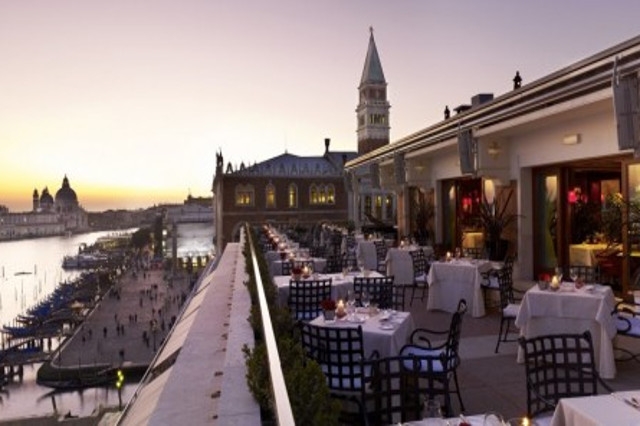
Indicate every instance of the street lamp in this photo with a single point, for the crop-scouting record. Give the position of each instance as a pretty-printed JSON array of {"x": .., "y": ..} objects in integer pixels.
[{"x": 119, "y": 382}]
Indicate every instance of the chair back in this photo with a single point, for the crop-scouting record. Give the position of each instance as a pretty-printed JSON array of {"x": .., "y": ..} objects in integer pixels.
[
  {"x": 286, "y": 267},
  {"x": 339, "y": 351},
  {"x": 381, "y": 250},
  {"x": 305, "y": 297},
  {"x": 588, "y": 274},
  {"x": 558, "y": 366},
  {"x": 395, "y": 391},
  {"x": 420, "y": 264},
  {"x": 334, "y": 264},
  {"x": 453, "y": 339},
  {"x": 380, "y": 290},
  {"x": 505, "y": 285}
]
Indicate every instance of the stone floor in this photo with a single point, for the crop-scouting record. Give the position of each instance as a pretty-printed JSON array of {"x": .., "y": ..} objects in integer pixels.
[{"x": 496, "y": 382}]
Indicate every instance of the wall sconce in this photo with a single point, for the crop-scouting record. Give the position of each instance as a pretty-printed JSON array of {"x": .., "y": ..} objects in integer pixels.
[
  {"x": 571, "y": 139},
  {"x": 494, "y": 150},
  {"x": 489, "y": 191}
]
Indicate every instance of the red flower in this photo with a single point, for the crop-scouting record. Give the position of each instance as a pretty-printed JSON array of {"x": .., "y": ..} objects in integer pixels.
[
  {"x": 544, "y": 277},
  {"x": 328, "y": 305}
]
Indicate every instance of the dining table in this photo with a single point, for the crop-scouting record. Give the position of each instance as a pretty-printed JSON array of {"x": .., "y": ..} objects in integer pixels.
[
  {"x": 367, "y": 255},
  {"x": 450, "y": 281},
  {"x": 383, "y": 331},
  {"x": 585, "y": 254},
  {"x": 617, "y": 408},
  {"x": 572, "y": 310},
  {"x": 340, "y": 284},
  {"x": 275, "y": 266},
  {"x": 400, "y": 265}
]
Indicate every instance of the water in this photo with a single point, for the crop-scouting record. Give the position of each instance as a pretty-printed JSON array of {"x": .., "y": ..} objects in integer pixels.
[{"x": 29, "y": 271}]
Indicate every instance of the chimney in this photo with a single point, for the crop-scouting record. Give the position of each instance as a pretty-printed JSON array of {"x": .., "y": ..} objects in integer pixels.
[
  {"x": 327, "y": 141},
  {"x": 481, "y": 98}
]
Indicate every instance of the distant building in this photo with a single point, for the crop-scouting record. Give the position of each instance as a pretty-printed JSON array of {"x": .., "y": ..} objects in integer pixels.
[
  {"x": 48, "y": 216},
  {"x": 370, "y": 204},
  {"x": 287, "y": 189}
]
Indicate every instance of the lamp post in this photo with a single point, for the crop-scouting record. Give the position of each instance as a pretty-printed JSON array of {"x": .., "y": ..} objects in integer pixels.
[{"x": 119, "y": 382}]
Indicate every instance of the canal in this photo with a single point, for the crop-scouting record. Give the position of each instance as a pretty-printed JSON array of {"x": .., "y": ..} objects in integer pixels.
[{"x": 29, "y": 271}]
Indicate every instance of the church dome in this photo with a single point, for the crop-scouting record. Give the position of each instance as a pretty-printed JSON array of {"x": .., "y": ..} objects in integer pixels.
[
  {"x": 46, "y": 198},
  {"x": 66, "y": 195}
]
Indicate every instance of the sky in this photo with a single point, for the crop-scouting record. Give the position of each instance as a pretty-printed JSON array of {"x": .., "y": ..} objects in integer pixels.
[{"x": 132, "y": 99}]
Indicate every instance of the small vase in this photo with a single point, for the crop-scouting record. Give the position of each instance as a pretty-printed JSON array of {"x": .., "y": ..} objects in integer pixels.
[{"x": 329, "y": 315}]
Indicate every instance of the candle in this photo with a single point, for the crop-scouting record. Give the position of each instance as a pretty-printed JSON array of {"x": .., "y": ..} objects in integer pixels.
[{"x": 448, "y": 255}]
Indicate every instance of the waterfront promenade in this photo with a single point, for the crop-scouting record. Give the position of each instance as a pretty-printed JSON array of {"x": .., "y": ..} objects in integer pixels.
[{"x": 130, "y": 322}]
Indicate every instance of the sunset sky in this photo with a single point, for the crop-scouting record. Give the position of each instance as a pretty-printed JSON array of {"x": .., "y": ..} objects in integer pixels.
[{"x": 132, "y": 99}]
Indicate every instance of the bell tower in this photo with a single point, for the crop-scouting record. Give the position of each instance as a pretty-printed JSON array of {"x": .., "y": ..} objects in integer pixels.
[{"x": 373, "y": 108}]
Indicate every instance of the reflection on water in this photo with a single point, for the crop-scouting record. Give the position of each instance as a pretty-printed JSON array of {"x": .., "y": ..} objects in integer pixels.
[{"x": 29, "y": 271}]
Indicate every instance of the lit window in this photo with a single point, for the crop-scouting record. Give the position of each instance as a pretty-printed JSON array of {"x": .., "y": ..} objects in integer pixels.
[
  {"x": 293, "y": 196},
  {"x": 244, "y": 195},
  {"x": 271, "y": 196},
  {"x": 313, "y": 194},
  {"x": 331, "y": 194}
]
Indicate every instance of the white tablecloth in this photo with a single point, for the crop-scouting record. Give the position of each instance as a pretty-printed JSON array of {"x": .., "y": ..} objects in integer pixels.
[
  {"x": 340, "y": 284},
  {"x": 601, "y": 410},
  {"x": 572, "y": 311},
  {"x": 386, "y": 342},
  {"x": 400, "y": 265},
  {"x": 585, "y": 254},
  {"x": 459, "y": 279},
  {"x": 366, "y": 254},
  {"x": 275, "y": 267}
]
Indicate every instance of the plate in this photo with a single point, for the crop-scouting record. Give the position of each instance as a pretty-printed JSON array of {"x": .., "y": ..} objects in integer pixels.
[
  {"x": 386, "y": 326},
  {"x": 356, "y": 319}
]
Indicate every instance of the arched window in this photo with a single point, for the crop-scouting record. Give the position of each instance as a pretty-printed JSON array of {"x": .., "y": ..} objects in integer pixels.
[
  {"x": 293, "y": 196},
  {"x": 245, "y": 195},
  {"x": 270, "y": 193},
  {"x": 313, "y": 194},
  {"x": 322, "y": 194},
  {"x": 331, "y": 194}
]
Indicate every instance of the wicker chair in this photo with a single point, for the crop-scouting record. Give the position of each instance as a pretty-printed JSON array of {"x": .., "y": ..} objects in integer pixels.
[
  {"x": 420, "y": 271},
  {"x": 379, "y": 289},
  {"x": 558, "y": 366},
  {"x": 305, "y": 298},
  {"x": 441, "y": 369}
]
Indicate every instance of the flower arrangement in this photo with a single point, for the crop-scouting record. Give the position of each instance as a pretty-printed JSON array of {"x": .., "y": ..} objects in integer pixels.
[{"x": 328, "y": 305}]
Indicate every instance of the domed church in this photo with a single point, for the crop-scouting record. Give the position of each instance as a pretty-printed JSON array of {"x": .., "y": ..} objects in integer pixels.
[{"x": 65, "y": 205}]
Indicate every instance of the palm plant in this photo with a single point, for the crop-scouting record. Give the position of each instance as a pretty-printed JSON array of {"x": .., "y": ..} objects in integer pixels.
[{"x": 495, "y": 218}]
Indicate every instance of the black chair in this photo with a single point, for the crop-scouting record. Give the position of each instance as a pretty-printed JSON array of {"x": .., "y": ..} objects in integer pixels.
[
  {"x": 398, "y": 297},
  {"x": 441, "y": 349},
  {"x": 558, "y": 366},
  {"x": 420, "y": 271},
  {"x": 381, "y": 255},
  {"x": 287, "y": 265},
  {"x": 474, "y": 252},
  {"x": 379, "y": 289},
  {"x": 627, "y": 319},
  {"x": 490, "y": 278},
  {"x": 340, "y": 353},
  {"x": 305, "y": 297},
  {"x": 396, "y": 390},
  {"x": 509, "y": 305}
]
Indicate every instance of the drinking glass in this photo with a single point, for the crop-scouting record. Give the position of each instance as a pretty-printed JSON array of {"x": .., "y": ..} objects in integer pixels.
[
  {"x": 493, "y": 419},
  {"x": 573, "y": 273},
  {"x": 351, "y": 303},
  {"x": 365, "y": 300},
  {"x": 432, "y": 413}
]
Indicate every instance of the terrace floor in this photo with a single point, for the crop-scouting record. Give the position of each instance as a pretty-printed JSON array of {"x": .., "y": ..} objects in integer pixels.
[{"x": 496, "y": 382}]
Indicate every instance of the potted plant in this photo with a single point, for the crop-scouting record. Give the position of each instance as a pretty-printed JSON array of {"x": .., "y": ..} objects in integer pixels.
[
  {"x": 328, "y": 309},
  {"x": 494, "y": 219}
]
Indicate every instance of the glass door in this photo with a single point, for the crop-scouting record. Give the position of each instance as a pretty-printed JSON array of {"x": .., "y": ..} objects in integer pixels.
[{"x": 631, "y": 227}]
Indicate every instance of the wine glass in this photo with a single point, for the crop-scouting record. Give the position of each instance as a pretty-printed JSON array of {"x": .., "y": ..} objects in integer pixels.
[
  {"x": 492, "y": 418},
  {"x": 365, "y": 300},
  {"x": 351, "y": 303},
  {"x": 573, "y": 273},
  {"x": 432, "y": 413}
]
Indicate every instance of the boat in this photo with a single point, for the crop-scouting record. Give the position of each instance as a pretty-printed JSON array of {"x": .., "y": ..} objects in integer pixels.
[
  {"x": 22, "y": 273},
  {"x": 84, "y": 261}
]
